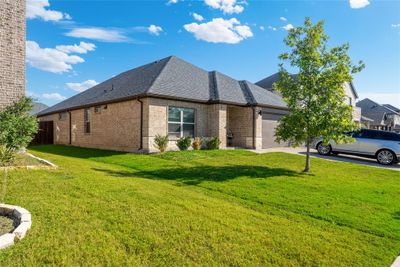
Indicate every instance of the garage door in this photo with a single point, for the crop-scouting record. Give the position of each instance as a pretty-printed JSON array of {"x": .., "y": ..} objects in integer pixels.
[{"x": 269, "y": 123}]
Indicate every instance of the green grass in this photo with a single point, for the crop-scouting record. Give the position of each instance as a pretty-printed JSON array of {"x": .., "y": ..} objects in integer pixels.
[{"x": 204, "y": 208}]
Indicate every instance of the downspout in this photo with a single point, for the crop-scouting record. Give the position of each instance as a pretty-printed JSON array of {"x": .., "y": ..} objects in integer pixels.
[
  {"x": 141, "y": 124},
  {"x": 70, "y": 127},
  {"x": 254, "y": 127}
]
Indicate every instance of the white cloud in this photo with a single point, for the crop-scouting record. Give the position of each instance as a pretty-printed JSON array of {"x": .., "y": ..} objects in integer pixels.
[
  {"x": 358, "y": 3},
  {"x": 80, "y": 87},
  {"x": 50, "y": 59},
  {"x": 82, "y": 48},
  {"x": 171, "y": 2},
  {"x": 99, "y": 34},
  {"x": 382, "y": 98},
  {"x": 154, "y": 30},
  {"x": 288, "y": 27},
  {"x": 272, "y": 28},
  {"x": 226, "y": 6},
  {"x": 220, "y": 30},
  {"x": 38, "y": 9},
  {"x": 262, "y": 28},
  {"x": 53, "y": 96},
  {"x": 283, "y": 18},
  {"x": 198, "y": 17},
  {"x": 396, "y": 25}
]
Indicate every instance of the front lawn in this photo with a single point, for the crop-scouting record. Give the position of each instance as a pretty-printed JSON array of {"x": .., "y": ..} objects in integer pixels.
[{"x": 203, "y": 208}]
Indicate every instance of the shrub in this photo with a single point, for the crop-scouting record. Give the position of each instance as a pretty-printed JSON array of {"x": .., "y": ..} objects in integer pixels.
[
  {"x": 17, "y": 128},
  {"x": 161, "y": 142},
  {"x": 213, "y": 143},
  {"x": 183, "y": 143},
  {"x": 197, "y": 143},
  {"x": 6, "y": 156}
]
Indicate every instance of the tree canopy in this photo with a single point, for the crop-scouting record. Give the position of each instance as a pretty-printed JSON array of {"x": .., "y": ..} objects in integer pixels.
[{"x": 316, "y": 95}]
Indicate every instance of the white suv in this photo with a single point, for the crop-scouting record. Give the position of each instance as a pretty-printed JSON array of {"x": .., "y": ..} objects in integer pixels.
[{"x": 382, "y": 145}]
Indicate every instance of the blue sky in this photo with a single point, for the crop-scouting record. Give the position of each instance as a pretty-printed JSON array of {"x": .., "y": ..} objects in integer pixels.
[{"x": 72, "y": 45}]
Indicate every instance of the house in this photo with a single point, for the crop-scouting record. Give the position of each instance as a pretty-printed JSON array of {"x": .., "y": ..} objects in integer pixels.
[
  {"x": 37, "y": 107},
  {"x": 350, "y": 92},
  {"x": 168, "y": 96},
  {"x": 12, "y": 51},
  {"x": 384, "y": 117}
]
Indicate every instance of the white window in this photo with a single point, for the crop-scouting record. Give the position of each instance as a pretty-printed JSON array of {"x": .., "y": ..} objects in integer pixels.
[{"x": 180, "y": 122}]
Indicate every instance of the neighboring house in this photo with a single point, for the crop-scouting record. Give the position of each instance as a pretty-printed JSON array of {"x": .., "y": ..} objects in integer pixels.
[
  {"x": 12, "y": 51},
  {"x": 168, "y": 96},
  {"x": 37, "y": 107},
  {"x": 350, "y": 92},
  {"x": 385, "y": 117}
]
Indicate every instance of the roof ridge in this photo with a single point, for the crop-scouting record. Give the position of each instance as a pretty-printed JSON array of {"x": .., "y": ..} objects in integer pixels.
[
  {"x": 167, "y": 60},
  {"x": 248, "y": 95},
  {"x": 213, "y": 88}
]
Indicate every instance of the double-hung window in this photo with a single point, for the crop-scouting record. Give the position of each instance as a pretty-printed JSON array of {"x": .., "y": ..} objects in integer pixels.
[
  {"x": 86, "y": 120},
  {"x": 180, "y": 122}
]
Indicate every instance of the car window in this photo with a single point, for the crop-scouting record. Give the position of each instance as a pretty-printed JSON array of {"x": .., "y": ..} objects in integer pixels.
[
  {"x": 365, "y": 134},
  {"x": 391, "y": 136}
]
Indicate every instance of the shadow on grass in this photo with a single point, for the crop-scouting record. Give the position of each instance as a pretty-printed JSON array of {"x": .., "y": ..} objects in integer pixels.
[
  {"x": 196, "y": 175},
  {"x": 75, "y": 152}
]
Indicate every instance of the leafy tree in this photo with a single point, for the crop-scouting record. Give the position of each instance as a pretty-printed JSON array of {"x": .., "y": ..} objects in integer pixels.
[
  {"x": 316, "y": 96},
  {"x": 17, "y": 128}
]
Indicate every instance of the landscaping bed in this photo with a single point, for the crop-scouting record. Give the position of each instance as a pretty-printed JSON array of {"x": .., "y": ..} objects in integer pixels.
[
  {"x": 6, "y": 224},
  {"x": 204, "y": 208}
]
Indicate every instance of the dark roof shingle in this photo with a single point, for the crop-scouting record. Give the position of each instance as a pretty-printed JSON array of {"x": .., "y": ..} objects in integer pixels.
[{"x": 173, "y": 78}]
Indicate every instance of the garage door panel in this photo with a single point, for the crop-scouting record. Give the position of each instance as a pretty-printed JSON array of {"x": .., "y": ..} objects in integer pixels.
[{"x": 269, "y": 124}]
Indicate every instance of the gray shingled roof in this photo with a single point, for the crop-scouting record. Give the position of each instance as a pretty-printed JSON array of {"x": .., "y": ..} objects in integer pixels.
[
  {"x": 374, "y": 111},
  {"x": 37, "y": 107},
  {"x": 270, "y": 80},
  {"x": 172, "y": 78},
  {"x": 392, "y": 107}
]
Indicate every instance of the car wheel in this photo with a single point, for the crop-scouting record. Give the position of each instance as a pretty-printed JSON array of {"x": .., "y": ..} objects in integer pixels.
[
  {"x": 324, "y": 149},
  {"x": 385, "y": 157}
]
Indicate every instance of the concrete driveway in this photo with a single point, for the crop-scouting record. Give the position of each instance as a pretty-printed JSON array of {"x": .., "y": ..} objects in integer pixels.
[{"x": 341, "y": 157}]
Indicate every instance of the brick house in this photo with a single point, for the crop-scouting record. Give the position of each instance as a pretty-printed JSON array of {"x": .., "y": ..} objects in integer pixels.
[
  {"x": 12, "y": 51},
  {"x": 168, "y": 96},
  {"x": 381, "y": 117},
  {"x": 349, "y": 91}
]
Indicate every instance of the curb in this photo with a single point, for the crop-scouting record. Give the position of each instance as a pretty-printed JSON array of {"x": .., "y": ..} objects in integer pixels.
[
  {"x": 396, "y": 262},
  {"x": 19, "y": 214}
]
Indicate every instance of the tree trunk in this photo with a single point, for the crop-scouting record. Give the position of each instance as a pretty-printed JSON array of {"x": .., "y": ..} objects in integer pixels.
[{"x": 307, "y": 168}]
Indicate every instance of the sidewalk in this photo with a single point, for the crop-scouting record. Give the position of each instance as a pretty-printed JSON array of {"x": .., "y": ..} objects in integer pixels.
[{"x": 341, "y": 157}]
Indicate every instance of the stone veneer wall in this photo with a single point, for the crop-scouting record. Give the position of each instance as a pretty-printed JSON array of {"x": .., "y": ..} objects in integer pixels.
[
  {"x": 210, "y": 121},
  {"x": 240, "y": 122},
  {"x": 12, "y": 51}
]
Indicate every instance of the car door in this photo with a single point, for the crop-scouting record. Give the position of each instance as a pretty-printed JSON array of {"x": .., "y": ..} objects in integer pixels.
[
  {"x": 371, "y": 141},
  {"x": 348, "y": 147}
]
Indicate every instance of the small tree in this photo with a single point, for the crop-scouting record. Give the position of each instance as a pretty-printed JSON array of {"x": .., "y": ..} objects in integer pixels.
[
  {"x": 17, "y": 128},
  {"x": 315, "y": 97}
]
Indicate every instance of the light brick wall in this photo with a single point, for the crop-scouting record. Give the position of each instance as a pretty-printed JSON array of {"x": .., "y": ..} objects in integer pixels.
[
  {"x": 115, "y": 128},
  {"x": 60, "y": 128},
  {"x": 240, "y": 122},
  {"x": 12, "y": 51},
  {"x": 118, "y": 126},
  {"x": 210, "y": 121}
]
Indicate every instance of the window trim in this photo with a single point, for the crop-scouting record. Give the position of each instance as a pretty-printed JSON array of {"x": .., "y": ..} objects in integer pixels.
[
  {"x": 98, "y": 109},
  {"x": 181, "y": 122},
  {"x": 87, "y": 120}
]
